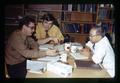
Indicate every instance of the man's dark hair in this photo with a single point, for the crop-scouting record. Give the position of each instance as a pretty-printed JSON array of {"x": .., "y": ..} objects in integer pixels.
[
  {"x": 25, "y": 21},
  {"x": 100, "y": 31},
  {"x": 48, "y": 17}
]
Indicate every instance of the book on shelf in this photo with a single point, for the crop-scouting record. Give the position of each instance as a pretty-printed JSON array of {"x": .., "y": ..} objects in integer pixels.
[
  {"x": 72, "y": 28},
  {"x": 70, "y": 6},
  {"x": 103, "y": 13},
  {"x": 86, "y": 28},
  {"x": 67, "y": 16},
  {"x": 87, "y": 64},
  {"x": 105, "y": 27},
  {"x": 76, "y": 28},
  {"x": 81, "y": 7},
  {"x": 66, "y": 28},
  {"x": 65, "y": 7},
  {"x": 94, "y": 8},
  {"x": 74, "y": 7},
  {"x": 87, "y": 8}
]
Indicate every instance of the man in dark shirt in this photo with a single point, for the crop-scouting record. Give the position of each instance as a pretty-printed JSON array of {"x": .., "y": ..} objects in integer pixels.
[{"x": 21, "y": 46}]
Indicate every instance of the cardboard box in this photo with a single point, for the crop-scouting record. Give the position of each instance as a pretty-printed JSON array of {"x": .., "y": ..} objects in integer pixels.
[{"x": 59, "y": 68}]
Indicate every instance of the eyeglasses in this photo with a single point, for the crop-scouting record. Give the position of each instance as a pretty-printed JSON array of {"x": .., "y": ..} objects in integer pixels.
[
  {"x": 91, "y": 36},
  {"x": 33, "y": 27}
]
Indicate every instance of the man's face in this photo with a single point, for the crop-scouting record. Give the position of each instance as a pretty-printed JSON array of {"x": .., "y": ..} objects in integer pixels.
[
  {"x": 29, "y": 29},
  {"x": 93, "y": 36},
  {"x": 47, "y": 24}
]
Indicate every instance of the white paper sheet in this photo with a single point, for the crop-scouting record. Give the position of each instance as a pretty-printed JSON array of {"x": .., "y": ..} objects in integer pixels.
[
  {"x": 59, "y": 47},
  {"x": 50, "y": 58},
  {"x": 45, "y": 47}
]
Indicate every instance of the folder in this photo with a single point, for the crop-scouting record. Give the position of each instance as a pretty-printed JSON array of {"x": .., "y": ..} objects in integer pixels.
[{"x": 87, "y": 64}]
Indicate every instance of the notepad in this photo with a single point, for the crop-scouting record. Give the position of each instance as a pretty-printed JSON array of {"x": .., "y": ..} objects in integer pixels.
[{"x": 87, "y": 64}]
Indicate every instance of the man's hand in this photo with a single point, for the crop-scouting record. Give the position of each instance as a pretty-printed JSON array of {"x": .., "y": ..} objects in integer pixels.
[
  {"x": 54, "y": 40},
  {"x": 86, "y": 52},
  {"x": 51, "y": 52}
]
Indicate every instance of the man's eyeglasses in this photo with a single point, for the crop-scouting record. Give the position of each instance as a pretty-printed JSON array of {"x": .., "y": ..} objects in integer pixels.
[
  {"x": 91, "y": 36},
  {"x": 33, "y": 27}
]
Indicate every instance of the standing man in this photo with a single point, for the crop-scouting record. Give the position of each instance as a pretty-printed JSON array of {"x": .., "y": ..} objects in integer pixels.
[
  {"x": 100, "y": 50},
  {"x": 21, "y": 46}
]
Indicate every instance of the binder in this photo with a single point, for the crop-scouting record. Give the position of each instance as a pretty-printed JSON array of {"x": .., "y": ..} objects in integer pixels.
[{"x": 87, "y": 64}]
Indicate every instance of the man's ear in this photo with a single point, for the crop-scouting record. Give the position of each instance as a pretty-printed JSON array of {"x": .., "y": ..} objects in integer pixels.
[{"x": 24, "y": 26}]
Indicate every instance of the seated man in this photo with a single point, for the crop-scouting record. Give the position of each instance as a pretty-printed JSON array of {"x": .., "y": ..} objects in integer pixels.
[
  {"x": 100, "y": 51},
  {"x": 46, "y": 30},
  {"x": 20, "y": 47}
]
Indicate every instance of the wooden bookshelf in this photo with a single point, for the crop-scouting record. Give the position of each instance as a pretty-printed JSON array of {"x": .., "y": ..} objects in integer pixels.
[
  {"x": 105, "y": 15},
  {"x": 12, "y": 12},
  {"x": 84, "y": 16},
  {"x": 81, "y": 16}
]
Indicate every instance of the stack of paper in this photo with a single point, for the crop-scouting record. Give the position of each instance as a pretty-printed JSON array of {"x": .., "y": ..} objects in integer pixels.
[
  {"x": 50, "y": 58},
  {"x": 45, "y": 47},
  {"x": 78, "y": 56},
  {"x": 51, "y": 46},
  {"x": 59, "y": 47},
  {"x": 36, "y": 66}
]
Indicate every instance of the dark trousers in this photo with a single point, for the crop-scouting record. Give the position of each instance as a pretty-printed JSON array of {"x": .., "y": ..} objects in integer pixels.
[{"x": 17, "y": 70}]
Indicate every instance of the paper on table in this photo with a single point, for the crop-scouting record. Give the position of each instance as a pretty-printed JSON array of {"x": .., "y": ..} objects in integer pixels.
[
  {"x": 59, "y": 47},
  {"x": 78, "y": 56},
  {"x": 46, "y": 47},
  {"x": 36, "y": 66},
  {"x": 51, "y": 46},
  {"x": 50, "y": 58}
]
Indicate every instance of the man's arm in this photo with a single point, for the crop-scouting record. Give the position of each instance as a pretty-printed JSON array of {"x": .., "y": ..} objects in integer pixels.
[
  {"x": 43, "y": 41},
  {"x": 19, "y": 46}
]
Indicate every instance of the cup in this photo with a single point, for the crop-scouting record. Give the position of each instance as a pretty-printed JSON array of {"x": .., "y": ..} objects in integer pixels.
[
  {"x": 80, "y": 48},
  {"x": 63, "y": 57},
  {"x": 67, "y": 46},
  {"x": 73, "y": 49}
]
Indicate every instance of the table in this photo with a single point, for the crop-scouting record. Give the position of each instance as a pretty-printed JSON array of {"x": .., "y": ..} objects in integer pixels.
[{"x": 77, "y": 73}]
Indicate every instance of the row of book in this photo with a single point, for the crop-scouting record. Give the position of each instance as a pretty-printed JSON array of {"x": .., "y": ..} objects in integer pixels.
[
  {"x": 106, "y": 5},
  {"x": 106, "y": 27},
  {"x": 77, "y": 28},
  {"x": 105, "y": 14},
  {"x": 84, "y": 28},
  {"x": 80, "y": 7}
]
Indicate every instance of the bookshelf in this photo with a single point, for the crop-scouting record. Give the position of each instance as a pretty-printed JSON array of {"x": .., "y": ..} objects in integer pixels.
[
  {"x": 73, "y": 19},
  {"x": 77, "y": 19},
  {"x": 12, "y": 12},
  {"x": 105, "y": 15}
]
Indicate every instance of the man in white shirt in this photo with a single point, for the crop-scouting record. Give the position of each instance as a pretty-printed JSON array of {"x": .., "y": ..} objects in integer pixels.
[{"x": 100, "y": 50}]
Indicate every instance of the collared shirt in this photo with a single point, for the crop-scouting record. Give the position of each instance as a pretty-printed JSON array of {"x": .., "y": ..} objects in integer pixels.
[
  {"x": 54, "y": 31},
  {"x": 19, "y": 47},
  {"x": 104, "y": 54}
]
